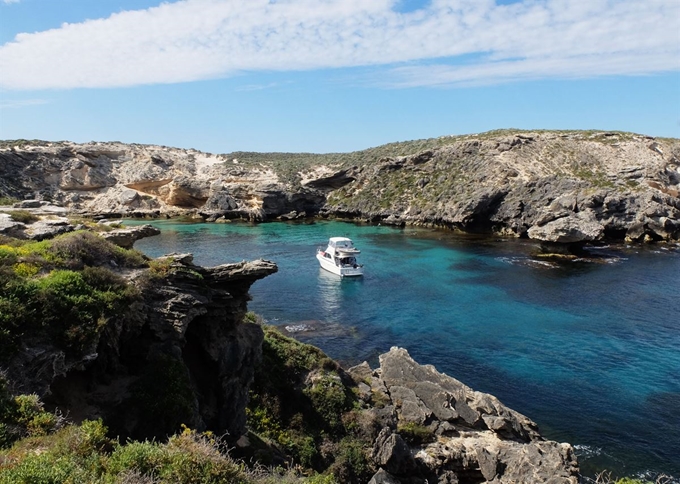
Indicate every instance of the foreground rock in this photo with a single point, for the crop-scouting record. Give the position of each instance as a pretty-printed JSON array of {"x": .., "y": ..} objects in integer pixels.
[
  {"x": 181, "y": 354},
  {"x": 475, "y": 438}
]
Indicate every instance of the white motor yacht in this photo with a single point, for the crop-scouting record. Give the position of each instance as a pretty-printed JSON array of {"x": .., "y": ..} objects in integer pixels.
[{"x": 340, "y": 257}]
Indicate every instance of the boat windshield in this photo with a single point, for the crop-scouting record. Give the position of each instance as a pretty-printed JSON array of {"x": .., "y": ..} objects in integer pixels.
[{"x": 342, "y": 244}]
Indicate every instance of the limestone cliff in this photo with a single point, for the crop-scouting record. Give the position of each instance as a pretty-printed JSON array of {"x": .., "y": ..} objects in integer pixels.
[{"x": 553, "y": 186}]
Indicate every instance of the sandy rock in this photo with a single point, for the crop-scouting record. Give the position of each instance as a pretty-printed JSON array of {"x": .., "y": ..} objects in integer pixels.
[
  {"x": 578, "y": 227},
  {"x": 11, "y": 227},
  {"x": 127, "y": 237},
  {"x": 48, "y": 228}
]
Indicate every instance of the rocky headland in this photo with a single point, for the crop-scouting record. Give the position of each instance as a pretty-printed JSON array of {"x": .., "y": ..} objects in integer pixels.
[{"x": 553, "y": 186}]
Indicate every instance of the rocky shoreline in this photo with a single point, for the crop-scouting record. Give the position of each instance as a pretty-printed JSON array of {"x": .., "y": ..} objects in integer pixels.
[
  {"x": 558, "y": 187},
  {"x": 184, "y": 352}
]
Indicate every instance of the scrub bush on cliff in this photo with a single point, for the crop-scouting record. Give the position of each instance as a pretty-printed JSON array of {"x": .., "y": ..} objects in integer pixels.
[
  {"x": 23, "y": 416},
  {"x": 297, "y": 379},
  {"x": 43, "y": 295}
]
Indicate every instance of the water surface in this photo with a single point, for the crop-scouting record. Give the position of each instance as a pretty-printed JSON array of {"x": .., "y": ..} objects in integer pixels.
[{"x": 589, "y": 350}]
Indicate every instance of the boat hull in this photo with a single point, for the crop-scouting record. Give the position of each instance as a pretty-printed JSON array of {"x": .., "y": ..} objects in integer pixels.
[{"x": 330, "y": 266}]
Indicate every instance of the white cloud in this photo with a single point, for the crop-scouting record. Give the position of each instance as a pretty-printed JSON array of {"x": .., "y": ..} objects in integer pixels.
[
  {"x": 20, "y": 103},
  {"x": 200, "y": 39},
  {"x": 10, "y": 1}
]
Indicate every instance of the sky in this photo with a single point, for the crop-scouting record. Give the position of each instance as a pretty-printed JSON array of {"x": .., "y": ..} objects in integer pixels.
[{"x": 333, "y": 75}]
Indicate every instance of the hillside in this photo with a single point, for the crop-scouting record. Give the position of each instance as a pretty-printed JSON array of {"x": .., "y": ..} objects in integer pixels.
[{"x": 556, "y": 186}]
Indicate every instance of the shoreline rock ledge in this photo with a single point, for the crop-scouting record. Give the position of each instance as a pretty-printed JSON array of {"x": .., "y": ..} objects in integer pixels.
[{"x": 468, "y": 436}]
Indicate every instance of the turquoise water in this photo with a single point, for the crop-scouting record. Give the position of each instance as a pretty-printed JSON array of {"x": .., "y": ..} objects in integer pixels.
[{"x": 589, "y": 350}]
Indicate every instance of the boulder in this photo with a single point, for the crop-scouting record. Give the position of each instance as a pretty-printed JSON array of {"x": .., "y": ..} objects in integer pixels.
[
  {"x": 383, "y": 477},
  {"x": 478, "y": 439},
  {"x": 126, "y": 238},
  {"x": 48, "y": 228},
  {"x": 28, "y": 204},
  {"x": 11, "y": 227},
  {"x": 570, "y": 229},
  {"x": 391, "y": 453},
  {"x": 219, "y": 201}
]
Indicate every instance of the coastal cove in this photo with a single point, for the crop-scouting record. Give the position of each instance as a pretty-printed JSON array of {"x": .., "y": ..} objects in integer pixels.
[{"x": 587, "y": 349}]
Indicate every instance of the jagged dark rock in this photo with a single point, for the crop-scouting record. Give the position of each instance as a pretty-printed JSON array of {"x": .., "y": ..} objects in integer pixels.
[
  {"x": 383, "y": 477},
  {"x": 392, "y": 454}
]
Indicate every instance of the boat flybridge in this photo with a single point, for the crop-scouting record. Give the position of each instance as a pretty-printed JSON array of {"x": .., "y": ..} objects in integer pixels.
[{"x": 340, "y": 257}]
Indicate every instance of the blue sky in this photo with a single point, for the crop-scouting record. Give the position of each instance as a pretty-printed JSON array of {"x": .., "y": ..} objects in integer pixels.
[{"x": 333, "y": 75}]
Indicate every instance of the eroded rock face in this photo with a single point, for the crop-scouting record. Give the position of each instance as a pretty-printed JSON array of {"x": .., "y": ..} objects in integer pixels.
[
  {"x": 510, "y": 184},
  {"x": 181, "y": 354},
  {"x": 477, "y": 438}
]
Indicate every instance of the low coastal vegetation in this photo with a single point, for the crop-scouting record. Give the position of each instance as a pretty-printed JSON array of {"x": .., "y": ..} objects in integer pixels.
[
  {"x": 86, "y": 454},
  {"x": 288, "y": 166},
  {"x": 23, "y": 216},
  {"x": 64, "y": 289},
  {"x": 301, "y": 403}
]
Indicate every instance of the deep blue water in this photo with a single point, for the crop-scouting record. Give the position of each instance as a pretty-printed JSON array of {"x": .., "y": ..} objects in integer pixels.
[{"x": 588, "y": 350}]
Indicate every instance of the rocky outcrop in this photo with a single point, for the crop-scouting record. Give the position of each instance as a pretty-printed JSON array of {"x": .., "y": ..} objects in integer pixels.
[
  {"x": 181, "y": 354},
  {"x": 115, "y": 179},
  {"x": 128, "y": 236},
  {"x": 550, "y": 186},
  {"x": 475, "y": 438},
  {"x": 510, "y": 182}
]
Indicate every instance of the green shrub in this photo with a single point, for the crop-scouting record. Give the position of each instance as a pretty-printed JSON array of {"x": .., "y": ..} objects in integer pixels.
[
  {"x": 74, "y": 250},
  {"x": 41, "y": 468},
  {"x": 299, "y": 400},
  {"x": 144, "y": 457},
  {"x": 321, "y": 479},
  {"x": 82, "y": 248},
  {"x": 8, "y": 200},
  {"x": 186, "y": 458},
  {"x": 23, "y": 216},
  {"x": 329, "y": 399},
  {"x": 416, "y": 434},
  {"x": 75, "y": 312},
  {"x": 26, "y": 269},
  {"x": 23, "y": 416},
  {"x": 351, "y": 462},
  {"x": 70, "y": 307},
  {"x": 160, "y": 268}
]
